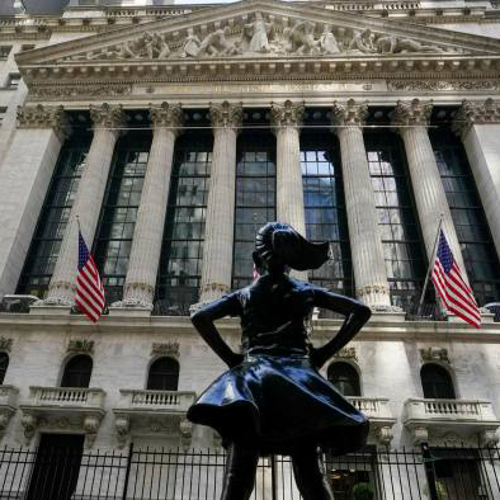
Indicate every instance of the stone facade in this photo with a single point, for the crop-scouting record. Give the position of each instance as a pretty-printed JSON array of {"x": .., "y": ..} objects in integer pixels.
[{"x": 286, "y": 58}]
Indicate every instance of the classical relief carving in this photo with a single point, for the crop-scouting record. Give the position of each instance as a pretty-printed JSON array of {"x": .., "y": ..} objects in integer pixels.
[
  {"x": 434, "y": 354},
  {"x": 81, "y": 346},
  {"x": 430, "y": 85},
  {"x": 5, "y": 344},
  {"x": 476, "y": 112},
  {"x": 226, "y": 115},
  {"x": 414, "y": 113},
  {"x": 349, "y": 113},
  {"x": 52, "y": 92},
  {"x": 347, "y": 353},
  {"x": 43, "y": 117},
  {"x": 288, "y": 114},
  {"x": 171, "y": 349},
  {"x": 265, "y": 36}
]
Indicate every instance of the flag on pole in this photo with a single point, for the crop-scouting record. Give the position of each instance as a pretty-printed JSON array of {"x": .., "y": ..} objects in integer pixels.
[
  {"x": 89, "y": 296},
  {"x": 454, "y": 292}
]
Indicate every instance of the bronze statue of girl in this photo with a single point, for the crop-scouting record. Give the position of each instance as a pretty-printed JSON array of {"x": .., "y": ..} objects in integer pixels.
[{"x": 273, "y": 399}]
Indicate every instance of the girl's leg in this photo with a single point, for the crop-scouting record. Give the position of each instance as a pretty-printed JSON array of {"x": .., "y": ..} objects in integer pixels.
[
  {"x": 239, "y": 476},
  {"x": 308, "y": 470}
]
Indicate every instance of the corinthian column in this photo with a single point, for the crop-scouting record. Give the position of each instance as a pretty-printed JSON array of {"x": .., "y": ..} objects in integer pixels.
[
  {"x": 219, "y": 224},
  {"x": 411, "y": 121},
  {"x": 370, "y": 274},
  {"x": 478, "y": 125},
  {"x": 146, "y": 244},
  {"x": 25, "y": 176},
  {"x": 286, "y": 119},
  {"x": 107, "y": 121}
]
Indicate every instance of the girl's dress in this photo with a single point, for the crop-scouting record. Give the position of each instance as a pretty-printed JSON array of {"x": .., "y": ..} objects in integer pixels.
[{"x": 275, "y": 396}]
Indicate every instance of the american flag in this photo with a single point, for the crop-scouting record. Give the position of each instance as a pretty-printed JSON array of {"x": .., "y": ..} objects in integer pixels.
[
  {"x": 89, "y": 296},
  {"x": 455, "y": 293}
]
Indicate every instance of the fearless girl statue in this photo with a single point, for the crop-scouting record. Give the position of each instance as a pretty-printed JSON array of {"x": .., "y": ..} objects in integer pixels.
[{"x": 273, "y": 400}]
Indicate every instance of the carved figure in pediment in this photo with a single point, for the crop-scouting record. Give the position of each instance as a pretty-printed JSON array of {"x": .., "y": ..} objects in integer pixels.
[
  {"x": 216, "y": 43},
  {"x": 156, "y": 47},
  {"x": 393, "y": 45},
  {"x": 362, "y": 41},
  {"x": 386, "y": 44},
  {"x": 258, "y": 33},
  {"x": 328, "y": 43},
  {"x": 191, "y": 45},
  {"x": 300, "y": 39}
]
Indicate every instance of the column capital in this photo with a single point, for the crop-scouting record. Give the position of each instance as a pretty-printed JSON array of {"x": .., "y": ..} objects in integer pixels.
[
  {"x": 108, "y": 116},
  {"x": 471, "y": 113},
  {"x": 350, "y": 113},
  {"x": 226, "y": 115},
  {"x": 415, "y": 113},
  {"x": 167, "y": 115},
  {"x": 288, "y": 114},
  {"x": 39, "y": 116}
]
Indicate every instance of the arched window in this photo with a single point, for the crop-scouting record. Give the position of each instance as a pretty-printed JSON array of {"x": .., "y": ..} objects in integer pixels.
[
  {"x": 436, "y": 382},
  {"x": 4, "y": 364},
  {"x": 77, "y": 372},
  {"x": 164, "y": 375},
  {"x": 345, "y": 378}
]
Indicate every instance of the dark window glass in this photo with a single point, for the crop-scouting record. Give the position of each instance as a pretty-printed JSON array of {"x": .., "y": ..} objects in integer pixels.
[
  {"x": 326, "y": 218},
  {"x": 182, "y": 252},
  {"x": 4, "y": 364},
  {"x": 164, "y": 375},
  {"x": 345, "y": 378},
  {"x": 255, "y": 198},
  {"x": 44, "y": 249},
  {"x": 401, "y": 237},
  {"x": 436, "y": 382},
  {"x": 119, "y": 212},
  {"x": 77, "y": 372},
  {"x": 478, "y": 250}
]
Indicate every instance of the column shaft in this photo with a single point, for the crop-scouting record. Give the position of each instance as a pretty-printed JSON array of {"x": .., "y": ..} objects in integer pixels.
[
  {"x": 87, "y": 203},
  {"x": 26, "y": 172},
  {"x": 478, "y": 124},
  {"x": 219, "y": 223},
  {"x": 148, "y": 233},
  {"x": 428, "y": 189},
  {"x": 370, "y": 274}
]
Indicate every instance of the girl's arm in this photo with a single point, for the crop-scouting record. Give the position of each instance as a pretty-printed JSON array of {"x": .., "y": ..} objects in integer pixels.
[
  {"x": 356, "y": 313},
  {"x": 203, "y": 321}
]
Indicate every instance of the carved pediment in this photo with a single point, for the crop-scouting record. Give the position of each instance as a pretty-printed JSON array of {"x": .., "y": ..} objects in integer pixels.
[{"x": 255, "y": 36}]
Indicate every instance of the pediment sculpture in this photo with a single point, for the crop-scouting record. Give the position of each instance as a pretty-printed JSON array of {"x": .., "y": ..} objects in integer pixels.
[{"x": 261, "y": 37}]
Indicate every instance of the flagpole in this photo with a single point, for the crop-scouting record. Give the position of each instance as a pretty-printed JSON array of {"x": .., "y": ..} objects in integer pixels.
[{"x": 431, "y": 264}]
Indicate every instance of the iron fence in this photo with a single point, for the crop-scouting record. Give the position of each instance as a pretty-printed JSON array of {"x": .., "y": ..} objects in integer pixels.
[{"x": 139, "y": 474}]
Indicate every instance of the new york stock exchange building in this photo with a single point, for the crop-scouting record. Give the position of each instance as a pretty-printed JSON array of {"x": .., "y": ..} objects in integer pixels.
[{"x": 174, "y": 132}]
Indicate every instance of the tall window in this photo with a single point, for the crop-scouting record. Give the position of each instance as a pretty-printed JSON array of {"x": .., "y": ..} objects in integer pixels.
[
  {"x": 436, "y": 382},
  {"x": 255, "y": 198},
  {"x": 4, "y": 364},
  {"x": 164, "y": 375},
  {"x": 77, "y": 371},
  {"x": 345, "y": 378},
  {"x": 182, "y": 253},
  {"x": 326, "y": 218},
  {"x": 45, "y": 246},
  {"x": 119, "y": 212},
  {"x": 401, "y": 238},
  {"x": 478, "y": 250}
]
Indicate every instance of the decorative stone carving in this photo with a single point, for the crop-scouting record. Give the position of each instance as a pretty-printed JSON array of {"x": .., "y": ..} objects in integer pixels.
[
  {"x": 384, "y": 435},
  {"x": 91, "y": 425},
  {"x": 186, "y": 431},
  {"x": 29, "y": 116},
  {"x": 122, "y": 424},
  {"x": 288, "y": 114},
  {"x": 414, "y": 113},
  {"x": 489, "y": 438},
  {"x": 347, "y": 353},
  {"x": 434, "y": 354},
  {"x": 420, "y": 435},
  {"x": 167, "y": 115},
  {"x": 350, "y": 113},
  {"x": 257, "y": 33},
  {"x": 171, "y": 349},
  {"x": 216, "y": 44},
  {"x": 226, "y": 115},
  {"x": 437, "y": 85},
  {"x": 300, "y": 40},
  {"x": 393, "y": 45},
  {"x": 476, "y": 112},
  {"x": 17, "y": 303},
  {"x": 191, "y": 45},
  {"x": 81, "y": 346},
  {"x": 29, "y": 423},
  {"x": 362, "y": 42},
  {"x": 107, "y": 116},
  {"x": 53, "y": 92},
  {"x": 328, "y": 42}
]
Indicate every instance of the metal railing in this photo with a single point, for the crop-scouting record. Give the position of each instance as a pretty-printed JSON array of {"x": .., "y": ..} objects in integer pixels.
[{"x": 419, "y": 474}]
